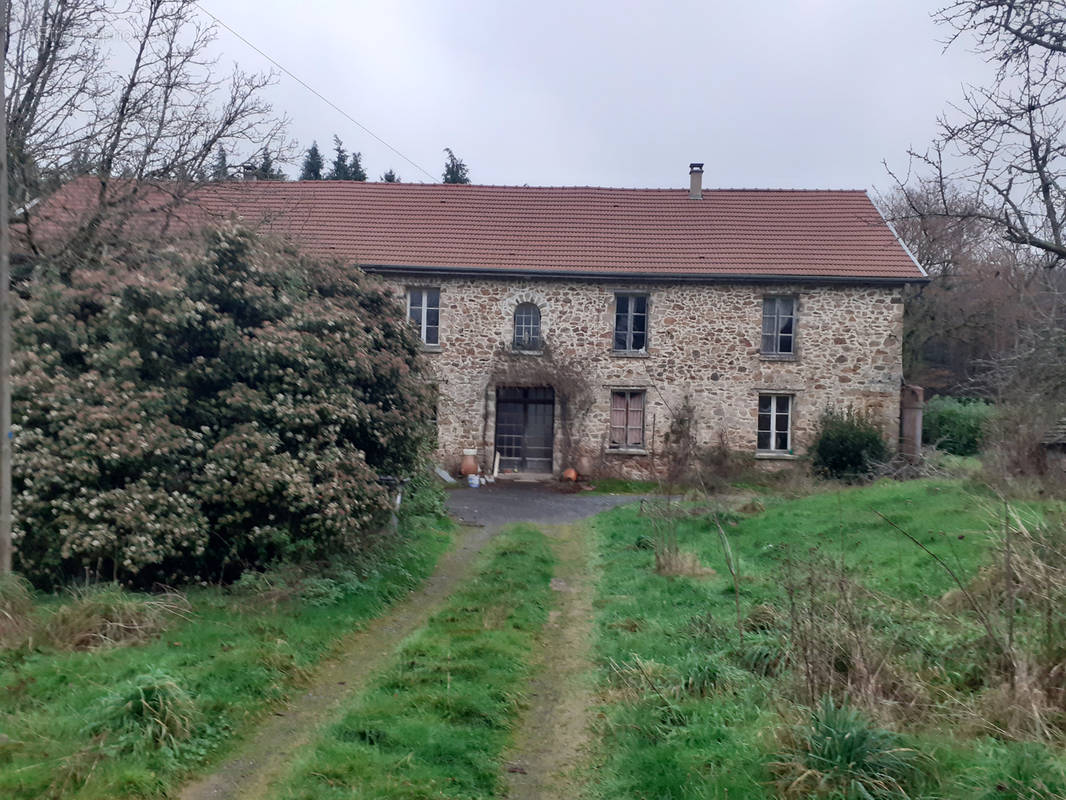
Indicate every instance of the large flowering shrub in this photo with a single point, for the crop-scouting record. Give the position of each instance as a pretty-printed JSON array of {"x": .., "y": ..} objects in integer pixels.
[{"x": 189, "y": 413}]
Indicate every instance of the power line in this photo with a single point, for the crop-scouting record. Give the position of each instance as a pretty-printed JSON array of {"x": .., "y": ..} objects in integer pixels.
[{"x": 319, "y": 95}]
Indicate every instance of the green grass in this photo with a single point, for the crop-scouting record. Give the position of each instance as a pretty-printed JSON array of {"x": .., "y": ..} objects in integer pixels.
[
  {"x": 435, "y": 724},
  {"x": 625, "y": 486},
  {"x": 235, "y": 656},
  {"x": 658, "y": 738}
]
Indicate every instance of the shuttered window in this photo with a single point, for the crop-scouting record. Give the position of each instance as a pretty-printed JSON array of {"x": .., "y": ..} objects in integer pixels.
[{"x": 627, "y": 420}]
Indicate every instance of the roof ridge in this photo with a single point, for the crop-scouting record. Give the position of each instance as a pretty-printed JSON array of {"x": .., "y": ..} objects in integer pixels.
[{"x": 545, "y": 187}]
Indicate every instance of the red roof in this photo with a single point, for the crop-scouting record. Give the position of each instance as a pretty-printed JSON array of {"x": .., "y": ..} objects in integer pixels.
[{"x": 585, "y": 230}]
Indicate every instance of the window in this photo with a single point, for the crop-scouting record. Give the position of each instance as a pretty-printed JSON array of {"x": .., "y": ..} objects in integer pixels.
[
  {"x": 527, "y": 327},
  {"x": 627, "y": 420},
  {"x": 630, "y": 323},
  {"x": 423, "y": 308},
  {"x": 775, "y": 423},
  {"x": 778, "y": 326}
]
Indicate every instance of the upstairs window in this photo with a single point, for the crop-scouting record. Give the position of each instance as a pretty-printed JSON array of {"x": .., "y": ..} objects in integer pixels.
[
  {"x": 778, "y": 325},
  {"x": 775, "y": 423},
  {"x": 423, "y": 309},
  {"x": 630, "y": 323},
  {"x": 627, "y": 420},
  {"x": 527, "y": 327}
]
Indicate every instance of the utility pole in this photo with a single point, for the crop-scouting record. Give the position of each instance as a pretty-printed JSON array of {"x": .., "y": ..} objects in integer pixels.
[{"x": 5, "y": 312}]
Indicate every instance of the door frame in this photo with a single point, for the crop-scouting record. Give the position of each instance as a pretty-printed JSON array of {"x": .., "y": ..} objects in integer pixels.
[{"x": 547, "y": 399}]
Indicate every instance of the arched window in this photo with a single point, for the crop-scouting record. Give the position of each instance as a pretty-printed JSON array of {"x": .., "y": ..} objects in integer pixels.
[{"x": 527, "y": 327}]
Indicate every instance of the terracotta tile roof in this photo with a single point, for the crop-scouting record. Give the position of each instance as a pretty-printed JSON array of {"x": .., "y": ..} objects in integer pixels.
[{"x": 638, "y": 232}]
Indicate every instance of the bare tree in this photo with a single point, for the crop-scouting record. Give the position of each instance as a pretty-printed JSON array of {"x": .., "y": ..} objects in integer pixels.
[
  {"x": 1003, "y": 145},
  {"x": 128, "y": 93},
  {"x": 981, "y": 294},
  {"x": 55, "y": 65}
]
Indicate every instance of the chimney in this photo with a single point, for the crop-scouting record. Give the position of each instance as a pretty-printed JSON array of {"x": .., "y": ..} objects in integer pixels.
[
  {"x": 695, "y": 178},
  {"x": 248, "y": 172}
]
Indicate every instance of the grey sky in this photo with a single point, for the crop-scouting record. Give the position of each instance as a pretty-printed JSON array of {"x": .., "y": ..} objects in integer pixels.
[{"x": 769, "y": 93}]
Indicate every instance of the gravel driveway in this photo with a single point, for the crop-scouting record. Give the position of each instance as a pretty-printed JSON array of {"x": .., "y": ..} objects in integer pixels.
[{"x": 502, "y": 503}]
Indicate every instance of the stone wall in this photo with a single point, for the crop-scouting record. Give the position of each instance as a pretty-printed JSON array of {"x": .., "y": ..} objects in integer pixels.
[{"x": 703, "y": 343}]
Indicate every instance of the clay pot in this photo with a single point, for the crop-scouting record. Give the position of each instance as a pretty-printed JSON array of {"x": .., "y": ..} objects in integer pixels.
[
  {"x": 570, "y": 474},
  {"x": 469, "y": 463}
]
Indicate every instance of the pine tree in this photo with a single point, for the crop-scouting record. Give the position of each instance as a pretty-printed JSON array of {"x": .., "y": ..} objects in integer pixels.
[
  {"x": 220, "y": 169},
  {"x": 339, "y": 171},
  {"x": 356, "y": 171},
  {"x": 312, "y": 166},
  {"x": 390, "y": 177},
  {"x": 455, "y": 171},
  {"x": 267, "y": 171}
]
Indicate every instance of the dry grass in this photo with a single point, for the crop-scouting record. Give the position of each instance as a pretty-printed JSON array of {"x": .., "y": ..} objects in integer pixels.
[
  {"x": 16, "y": 603},
  {"x": 106, "y": 615},
  {"x": 839, "y": 752},
  {"x": 676, "y": 563}
]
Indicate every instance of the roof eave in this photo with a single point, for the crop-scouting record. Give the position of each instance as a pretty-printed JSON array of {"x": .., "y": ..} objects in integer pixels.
[{"x": 680, "y": 277}]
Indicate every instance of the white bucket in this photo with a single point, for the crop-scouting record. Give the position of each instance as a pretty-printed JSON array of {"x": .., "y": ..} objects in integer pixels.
[{"x": 473, "y": 481}]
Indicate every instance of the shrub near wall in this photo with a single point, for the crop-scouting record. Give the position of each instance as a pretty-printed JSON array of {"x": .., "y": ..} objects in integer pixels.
[
  {"x": 847, "y": 444},
  {"x": 185, "y": 414},
  {"x": 956, "y": 426}
]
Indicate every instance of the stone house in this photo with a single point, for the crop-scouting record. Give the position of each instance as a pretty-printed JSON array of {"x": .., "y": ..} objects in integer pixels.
[{"x": 579, "y": 326}]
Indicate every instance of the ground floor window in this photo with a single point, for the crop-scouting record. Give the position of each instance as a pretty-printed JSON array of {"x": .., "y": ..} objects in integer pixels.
[
  {"x": 775, "y": 423},
  {"x": 627, "y": 419}
]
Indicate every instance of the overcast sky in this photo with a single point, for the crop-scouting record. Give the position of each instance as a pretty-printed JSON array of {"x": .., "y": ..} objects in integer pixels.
[{"x": 768, "y": 93}]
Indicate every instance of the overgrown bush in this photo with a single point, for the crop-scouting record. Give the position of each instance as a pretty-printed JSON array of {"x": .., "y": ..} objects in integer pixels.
[
  {"x": 149, "y": 712},
  {"x": 840, "y": 753},
  {"x": 1013, "y": 442},
  {"x": 847, "y": 444},
  {"x": 106, "y": 615},
  {"x": 954, "y": 425},
  {"x": 190, "y": 412},
  {"x": 16, "y": 603}
]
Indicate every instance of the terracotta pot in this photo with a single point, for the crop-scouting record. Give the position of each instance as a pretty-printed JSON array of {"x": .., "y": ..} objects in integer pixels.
[{"x": 469, "y": 463}]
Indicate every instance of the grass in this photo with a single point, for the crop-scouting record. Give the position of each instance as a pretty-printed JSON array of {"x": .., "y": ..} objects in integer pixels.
[
  {"x": 133, "y": 721},
  {"x": 625, "y": 486},
  {"x": 435, "y": 724},
  {"x": 839, "y": 751},
  {"x": 692, "y": 710}
]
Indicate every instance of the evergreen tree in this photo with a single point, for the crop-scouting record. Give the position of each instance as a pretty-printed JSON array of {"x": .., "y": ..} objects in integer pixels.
[
  {"x": 312, "y": 166},
  {"x": 220, "y": 169},
  {"x": 356, "y": 171},
  {"x": 339, "y": 171},
  {"x": 390, "y": 177},
  {"x": 455, "y": 171},
  {"x": 267, "y": 171}
]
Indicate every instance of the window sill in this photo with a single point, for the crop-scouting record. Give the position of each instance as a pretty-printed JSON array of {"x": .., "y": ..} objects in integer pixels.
[
  {"x": 778, "y": 455},
  {"x": 626, "y": 451},
  {"x": 527, "y": 351},
  {"x": 631, "y": 354},
  {"x": 778, "y": 357},
  {"x": 431, "y": 348}
]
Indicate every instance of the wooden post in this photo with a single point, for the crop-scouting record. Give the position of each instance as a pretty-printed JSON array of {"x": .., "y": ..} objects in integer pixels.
[
  {"x": 912, "y": 401},
  {"x": 6, "y": 544}
]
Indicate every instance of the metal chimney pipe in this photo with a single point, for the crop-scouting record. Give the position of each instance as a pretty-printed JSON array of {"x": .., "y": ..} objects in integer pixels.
[{"x": 695, "y": 178}]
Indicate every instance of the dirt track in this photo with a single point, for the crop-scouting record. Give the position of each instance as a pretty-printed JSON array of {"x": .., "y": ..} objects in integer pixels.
[
  {"x": 267, "y": 755},
  {"x": 552, "y": 736}
]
